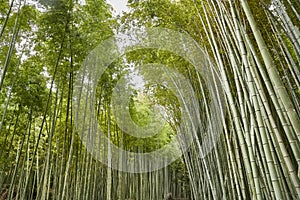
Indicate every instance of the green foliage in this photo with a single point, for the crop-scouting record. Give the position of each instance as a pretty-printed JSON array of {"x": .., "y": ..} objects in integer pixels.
[{"x": 42, "y": 48}]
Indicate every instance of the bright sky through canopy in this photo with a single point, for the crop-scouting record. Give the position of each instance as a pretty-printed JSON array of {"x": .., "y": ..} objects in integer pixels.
[{"x": 118, "y": 5}]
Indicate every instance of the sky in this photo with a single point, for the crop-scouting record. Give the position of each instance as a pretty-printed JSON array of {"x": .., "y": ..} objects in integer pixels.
[{"x": 118, "y": 5}]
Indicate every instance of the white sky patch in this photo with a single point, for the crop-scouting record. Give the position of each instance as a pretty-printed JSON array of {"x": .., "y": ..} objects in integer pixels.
[
  {"x": 36, "y": 4},
  {"x": 119, "y": 6},
  {"x": 135, "y": 80},
  {"x": 82, "y": 2},
  {"x": 49, "y": 81}
]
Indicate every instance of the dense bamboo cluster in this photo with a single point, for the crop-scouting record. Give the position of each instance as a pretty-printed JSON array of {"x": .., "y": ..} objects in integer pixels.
[
  {"x": 258, "y": 156},
  {"x": 253, "y": 52}
]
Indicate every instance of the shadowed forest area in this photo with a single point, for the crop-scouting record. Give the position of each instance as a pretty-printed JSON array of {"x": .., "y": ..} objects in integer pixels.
[{"x": 192, "y": 100}]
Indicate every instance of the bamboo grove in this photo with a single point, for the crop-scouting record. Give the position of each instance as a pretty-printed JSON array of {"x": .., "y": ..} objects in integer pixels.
[{"x": 252, "y": 46}]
